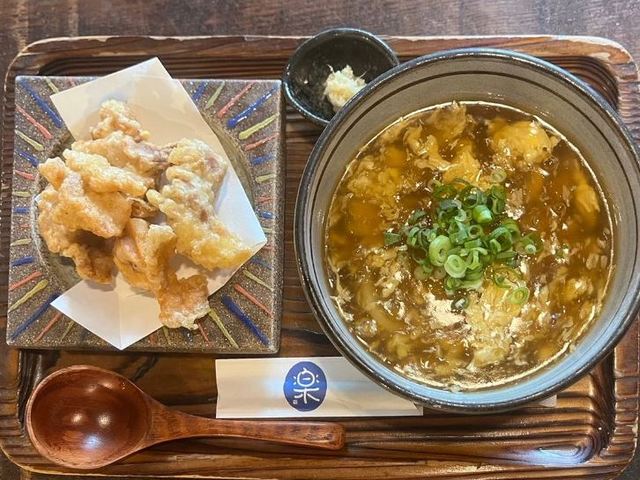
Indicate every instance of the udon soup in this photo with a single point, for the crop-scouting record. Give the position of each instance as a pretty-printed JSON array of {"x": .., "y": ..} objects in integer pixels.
[{"x": 468, "y": 245}]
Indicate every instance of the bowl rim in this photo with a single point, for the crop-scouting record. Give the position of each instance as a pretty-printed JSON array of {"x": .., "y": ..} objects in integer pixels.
[
  {"x": 313, "y": 295},
  {"x": 373, "y": 40}
]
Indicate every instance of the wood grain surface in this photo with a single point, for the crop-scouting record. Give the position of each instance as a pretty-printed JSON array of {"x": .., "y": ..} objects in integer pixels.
[{"x": 24, "y": 21}]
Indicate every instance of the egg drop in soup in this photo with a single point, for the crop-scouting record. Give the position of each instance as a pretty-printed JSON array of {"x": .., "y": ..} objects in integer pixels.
[{"x": 468, "y": 245}]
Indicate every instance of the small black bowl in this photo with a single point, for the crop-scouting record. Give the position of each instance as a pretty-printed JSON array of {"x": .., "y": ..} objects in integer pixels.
[{"x": 310, "y": 65}]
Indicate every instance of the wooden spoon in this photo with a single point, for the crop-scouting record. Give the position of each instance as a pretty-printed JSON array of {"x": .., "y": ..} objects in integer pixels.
[{"x": 85, "y": 417}]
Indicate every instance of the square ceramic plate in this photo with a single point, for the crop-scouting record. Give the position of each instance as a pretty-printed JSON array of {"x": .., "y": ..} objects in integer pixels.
[{"x": 247, "y": 117}]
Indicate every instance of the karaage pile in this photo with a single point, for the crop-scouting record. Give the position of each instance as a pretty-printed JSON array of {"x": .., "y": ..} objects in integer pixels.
[{"x": 104, "y": 194}]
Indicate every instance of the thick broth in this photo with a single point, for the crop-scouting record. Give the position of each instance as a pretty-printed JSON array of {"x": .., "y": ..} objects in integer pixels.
[{"x": 410, "y": 320}]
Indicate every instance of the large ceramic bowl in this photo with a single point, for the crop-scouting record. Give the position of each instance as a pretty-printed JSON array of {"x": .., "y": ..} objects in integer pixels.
[{"x": 524, "y": 82}]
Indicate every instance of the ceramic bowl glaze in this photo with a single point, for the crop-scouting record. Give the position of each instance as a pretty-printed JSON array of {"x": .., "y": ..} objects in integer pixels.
[
  {"x": 308, "y": 68},
  {"x": 526, "y": 83}
]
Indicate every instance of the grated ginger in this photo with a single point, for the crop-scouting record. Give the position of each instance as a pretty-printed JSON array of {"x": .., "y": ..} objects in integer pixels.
[{"x": 340, "y": 86}]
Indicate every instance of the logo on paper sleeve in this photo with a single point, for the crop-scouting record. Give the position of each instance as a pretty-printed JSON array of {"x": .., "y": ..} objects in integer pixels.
[{"x": 305, "y": 386}]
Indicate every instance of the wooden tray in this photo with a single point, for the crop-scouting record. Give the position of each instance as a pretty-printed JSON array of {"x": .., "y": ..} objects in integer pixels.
[{"x": 591, "y": 433}]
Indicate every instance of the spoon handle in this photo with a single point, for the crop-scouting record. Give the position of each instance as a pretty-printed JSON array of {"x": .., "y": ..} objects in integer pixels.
[
  {"x": 330, "y": 436},
  {"x": 173, "y": 425}
]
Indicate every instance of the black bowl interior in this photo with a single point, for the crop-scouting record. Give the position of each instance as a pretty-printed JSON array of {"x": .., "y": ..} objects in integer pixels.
[{"x": 310, "y": 66}]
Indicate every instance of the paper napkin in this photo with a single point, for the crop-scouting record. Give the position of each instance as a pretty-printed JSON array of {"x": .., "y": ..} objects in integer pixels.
[
  {"x": 302, "y": 387},
  {"x": 307, "y": 387},
  {"x": 120, "y": 314}
]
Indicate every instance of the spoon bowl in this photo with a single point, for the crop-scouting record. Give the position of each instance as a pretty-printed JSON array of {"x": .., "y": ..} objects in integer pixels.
[
  {"x": 85, "y": 417},
  {"x": 76, "y": 411}
]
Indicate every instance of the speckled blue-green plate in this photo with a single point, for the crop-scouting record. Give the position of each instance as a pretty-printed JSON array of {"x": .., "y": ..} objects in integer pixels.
[{"x": 248, "y": 118}]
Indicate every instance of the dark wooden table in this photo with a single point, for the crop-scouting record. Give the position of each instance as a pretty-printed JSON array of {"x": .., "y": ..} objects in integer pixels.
[{"x": 23, "y": 21}]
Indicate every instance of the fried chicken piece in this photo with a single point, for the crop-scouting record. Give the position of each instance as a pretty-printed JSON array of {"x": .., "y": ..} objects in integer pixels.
[
  {"x": 123, "y": 151},
  {"x": 90, "y": 253},
  {"x": 53, "y": 170},
  {"x": 200, "y": 159},
  {"x": 201, "y": 236},
  {"x": 188, "y": 202},
  {"x": 115, "y": 116},
  {"x": 78, "y": 208},
  {"x": 143, "y": 255},
  {"x": 99, "y": 176},
  {"x": 183, "y": 301}
]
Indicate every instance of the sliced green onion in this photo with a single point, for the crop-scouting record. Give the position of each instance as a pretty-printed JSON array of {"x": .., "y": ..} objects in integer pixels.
[
  {"x": 498, "y": 175},
  {"x": 504, "y": 238},
  {"x": 501, "y": 281},
  {"x": 438, "y": 250},
  {"x": 519, "y": 296},
  {"x": 439, "y": 273},
  {"x": 425, "y": 265},
  {"x": 475, "y": 231},
  {"x": 474, "y": 197},
  {"x": 416, "y": 215},
  {"x": 459, "y": 237},
  {"x": 473, "y": 243},
  {"x": 473, "y": 261},
  {"x": 433, "y": 183},
  {"x": 420, "y": 273},
  {"x": 494, "y": 246},
  {"x": 498, "y": 192},
  {"x": 443, "y": 191},
  {"x": 481, "y": 214},
  {"x": 505, "y": 277},
  {"x": 449, "y": 204},
  {"x": 529, "y": 244},
  {"x": 511, "y": 225},
  {"x": 471, "y": 284},
  {"x": 412, "y": 236},
  {"x": 455, "y": 266},
  {"x": 390, "y": 238},
  {"x": 474, "y": 274},
  {"x": 497, "y": 205},
  {"x": 509, "y": 254},
  {"x": 452, "y": 283},
  {"x": 481, "y": 250},
  {"x": 461, "y": 216}
]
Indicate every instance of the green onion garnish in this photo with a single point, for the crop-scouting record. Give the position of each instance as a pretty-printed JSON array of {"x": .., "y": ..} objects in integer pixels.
[
  {"x": 438, "y": 250},
  {"x": 467, "y": 232},
  {"x": 519, "y": 296},
  {"x": 498, "y": 175},
  {"x": 455, "y": 266},
  {"x": 390, "y": 238},
  {"x": 482, "y": 214},
  {"x": 420, "y": 273},
  {"x": 475, "y": 231}
]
